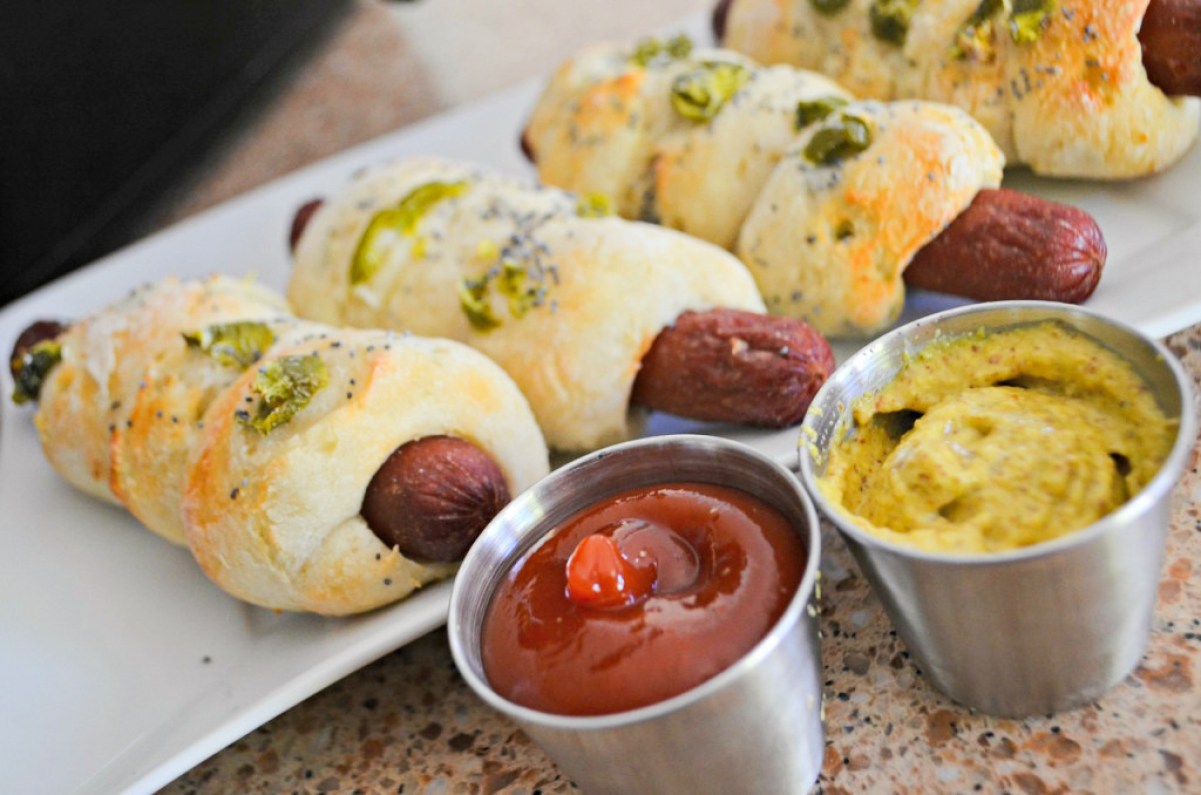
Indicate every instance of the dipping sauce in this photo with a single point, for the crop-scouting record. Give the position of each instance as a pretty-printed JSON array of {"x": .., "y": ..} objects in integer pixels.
[
  {"x": 997, "y": 441},
  {"x": 640, "y": 598}
]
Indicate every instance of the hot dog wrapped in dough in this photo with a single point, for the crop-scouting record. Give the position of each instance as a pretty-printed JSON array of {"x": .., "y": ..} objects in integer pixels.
[
  {"x": 299, "y": 497},
  {"x": 306, "y": 467},
  {"x": 587, "y": 314},
  {"x": 824, "y": 198},
  {"x": 1061, "y": 86},
  {"x": 834, "y": 204}
]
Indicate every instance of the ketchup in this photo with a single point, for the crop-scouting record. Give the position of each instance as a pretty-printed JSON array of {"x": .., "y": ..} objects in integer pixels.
[{"x": 639, "y": 598}]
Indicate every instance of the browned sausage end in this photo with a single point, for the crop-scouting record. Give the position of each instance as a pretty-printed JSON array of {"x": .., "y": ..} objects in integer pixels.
[
  {"x": 727, "y": 365},
  {"x": 1170, "y": 36},
  {"x": 31, "y": 359},
  {"x": 300, "y": 221},
  {"x": 433, "y": 496},
  {"x": 721, "y": 12},
  {"x": 1010, "y": 245}
]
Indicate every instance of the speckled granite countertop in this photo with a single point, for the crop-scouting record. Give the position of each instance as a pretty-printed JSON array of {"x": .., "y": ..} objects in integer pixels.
[{"x": 409, "y": 724}]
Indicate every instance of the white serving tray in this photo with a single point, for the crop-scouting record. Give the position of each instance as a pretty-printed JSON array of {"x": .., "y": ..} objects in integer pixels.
[{"x": 121, "y": 666}]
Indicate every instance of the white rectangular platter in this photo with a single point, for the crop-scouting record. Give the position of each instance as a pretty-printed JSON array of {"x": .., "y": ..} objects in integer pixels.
[{"x": 121, "y": 666}]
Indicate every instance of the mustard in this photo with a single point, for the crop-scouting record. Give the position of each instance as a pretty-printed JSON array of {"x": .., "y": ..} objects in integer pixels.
[{"x": 993, "y": 442}]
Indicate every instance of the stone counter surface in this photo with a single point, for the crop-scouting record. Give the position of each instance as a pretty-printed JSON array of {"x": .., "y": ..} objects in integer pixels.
[{"x": 409, "y": 724}]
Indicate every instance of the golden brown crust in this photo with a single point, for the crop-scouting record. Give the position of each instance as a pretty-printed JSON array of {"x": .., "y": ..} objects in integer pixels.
[
  {"x": 708, "y": 176},
  {"x": 1074, "y": 101},
  {"x": 829, "y": 244},
  {"x": 742, "y": 179},
  {"x": 98, "y": 410}
]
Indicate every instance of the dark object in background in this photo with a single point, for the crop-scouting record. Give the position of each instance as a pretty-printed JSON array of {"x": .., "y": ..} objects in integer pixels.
[{"x": 106, "y": 106}]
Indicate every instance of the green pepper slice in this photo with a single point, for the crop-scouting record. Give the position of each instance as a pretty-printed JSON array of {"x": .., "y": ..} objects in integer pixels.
[
  {"x": 284, "y": 386},
  {"x": 810, "y": 111},
  {"x": 698, "y": 95},
  {"x": 239, "y": 344},
  {"x": 1028, "y": 20},
  {"x": 840, "y": 138},
  {"x": 387, "y": 224},
  {"x": 647, "y": 50},
  {"x": 30, "y": 369},
  {"x": 975, "y": 39},
  {"x": 473, "y": 300},
  {"x": 829, "y": 7},
  {"x": 890, "y": 19},
  {"x": 514, "y": 284},
  {"x": 594, "y": 205}
]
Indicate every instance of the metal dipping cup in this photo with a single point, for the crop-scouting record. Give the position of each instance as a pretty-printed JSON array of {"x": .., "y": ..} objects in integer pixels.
[
  {"x": 1031, "y": 631},
  {"x": 754, "y": 727}
]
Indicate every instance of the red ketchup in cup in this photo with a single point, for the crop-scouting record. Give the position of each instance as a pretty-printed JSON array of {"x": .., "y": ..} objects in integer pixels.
[{"x": 639, "y": 598}]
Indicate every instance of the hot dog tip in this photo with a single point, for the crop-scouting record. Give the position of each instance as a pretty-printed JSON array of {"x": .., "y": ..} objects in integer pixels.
[
  {"x": 300, "y": 220},
  {"x": 1011, "y": 245},
  {"x": 34, "y": 353},
  {"x": 433, "y": 496},
  {"x": 527, "y": 147},
  {"x": 717, "y": 22},
  {"x": 732, "y": 366},
  {"x": 1170, "y": 39}
]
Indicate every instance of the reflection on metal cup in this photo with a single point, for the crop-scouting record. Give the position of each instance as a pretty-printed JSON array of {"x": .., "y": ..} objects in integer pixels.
[
  {"x": 754, "y": 727},
  {"x": 1038, "y": 629}
]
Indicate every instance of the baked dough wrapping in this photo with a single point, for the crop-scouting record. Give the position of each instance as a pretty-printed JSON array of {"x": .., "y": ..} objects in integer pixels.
[
  {"x": 274, "y": 518},
  {"x": 566, "y": 303},
  {"x": 150, "y": 404},
  {"x": 826, "y": 199},
  {"x": 1061, "y": 87},
  {"x": 120, "y": 413},
  {"x": 829, "y": 243}
]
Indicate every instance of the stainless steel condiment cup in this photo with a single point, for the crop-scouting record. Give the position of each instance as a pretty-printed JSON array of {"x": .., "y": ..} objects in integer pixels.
[
  {"x": 1031, "y": 631},
  {"x": 755, "y": 727}
]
